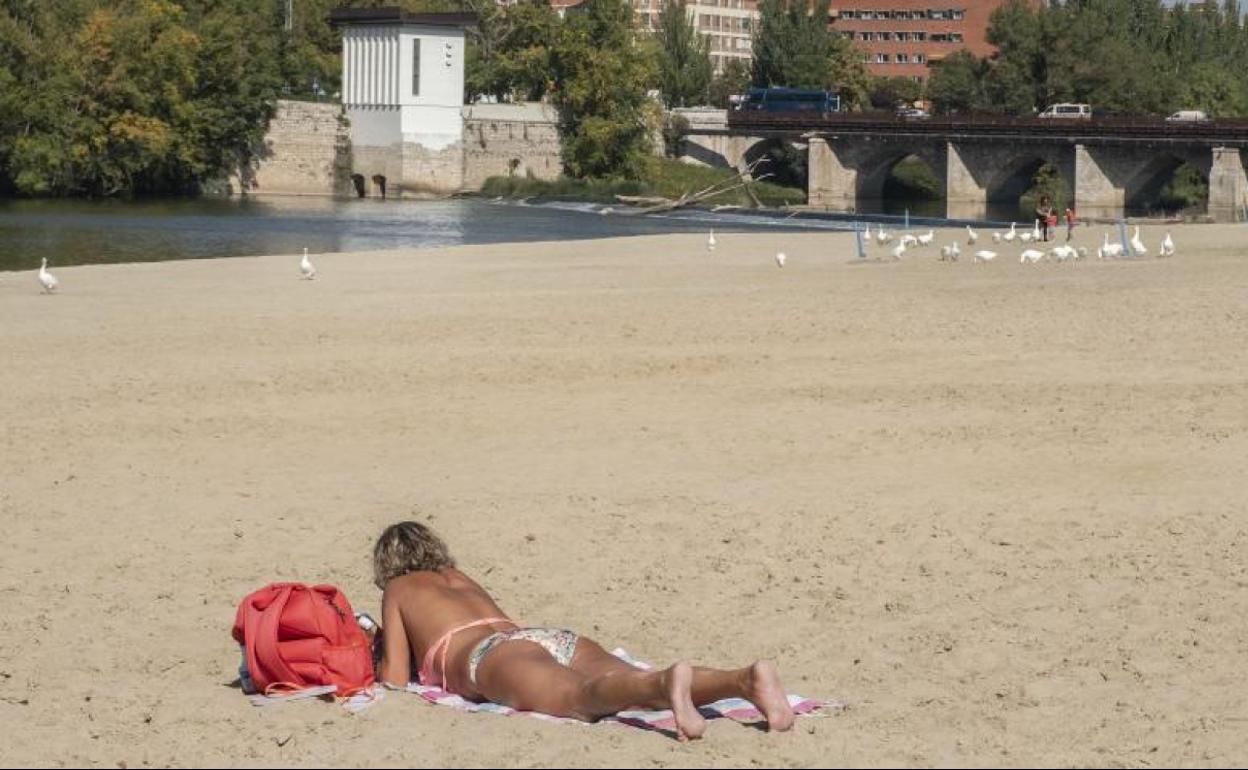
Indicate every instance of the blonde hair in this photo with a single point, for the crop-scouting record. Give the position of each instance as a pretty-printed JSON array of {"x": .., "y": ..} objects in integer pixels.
[{"x": 408, "y": 546}]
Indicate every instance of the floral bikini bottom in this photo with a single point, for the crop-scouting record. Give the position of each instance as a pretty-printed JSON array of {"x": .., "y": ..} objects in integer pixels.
[{"x": 559, "y": 642}]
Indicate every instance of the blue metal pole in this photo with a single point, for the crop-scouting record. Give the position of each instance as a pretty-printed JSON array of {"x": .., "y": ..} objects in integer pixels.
[
  {"x": 862, "y": 251},
  {"x": 907, "y": 219},
  {"x": 1122, "y": 234}
]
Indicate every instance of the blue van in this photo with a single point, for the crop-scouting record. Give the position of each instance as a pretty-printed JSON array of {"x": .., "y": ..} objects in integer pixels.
[{"x": 791, "y": 100}]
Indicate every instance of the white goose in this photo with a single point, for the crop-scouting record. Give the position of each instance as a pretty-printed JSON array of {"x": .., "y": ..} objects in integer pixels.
[
  {"x": 908, "y": 240},
  {"x": 950, "y": 253},
  {"x": 1035, "y": 231},
  {"x": 900, "y": 248},
  {"x": 710, "y": 241},
  {"x": 882, "y": 237},
  {"x": 1011, "y": 235},
  {"x": 1109, "y": 250},
  {"x": 926, "y": 240},
  {"x": 781, "y": 258},
  {"x": 866, "y": 234},
  {"x": 971, "y": 236},
  {"x": 306, "y": 269},
  {"x": 996, "y": 237},
  {"x": 1063, "y": 252},
  {"x": 1137, "y": 246},
  {"x": 983, "y": 255},
  {"x": 1167, "y": 246},
  {"x": 1030, "y": 255},
  {"x": 48, "y": 280}
]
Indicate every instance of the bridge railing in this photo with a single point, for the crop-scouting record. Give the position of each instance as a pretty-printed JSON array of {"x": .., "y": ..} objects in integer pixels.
[{"x": 1235, "y": 129}]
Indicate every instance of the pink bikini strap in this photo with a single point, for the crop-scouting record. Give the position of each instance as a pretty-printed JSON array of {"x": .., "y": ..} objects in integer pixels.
[{"x": 444, "y": 643}]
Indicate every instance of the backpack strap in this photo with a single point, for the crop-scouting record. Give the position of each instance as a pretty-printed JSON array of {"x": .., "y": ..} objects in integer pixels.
[{"x": 262, "y": 651}]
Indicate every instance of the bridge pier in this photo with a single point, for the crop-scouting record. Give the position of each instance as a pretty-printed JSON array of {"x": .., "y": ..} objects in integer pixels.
[
  {"x": 829, "y": 182},
  {"x": 1228, "y": 181}
]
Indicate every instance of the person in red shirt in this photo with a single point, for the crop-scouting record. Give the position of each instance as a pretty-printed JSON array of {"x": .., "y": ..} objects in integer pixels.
[{"x": 1071, "y": 221}]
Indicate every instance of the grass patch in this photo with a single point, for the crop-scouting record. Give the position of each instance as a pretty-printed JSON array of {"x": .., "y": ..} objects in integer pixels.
[{"x": 664, "y": 177}]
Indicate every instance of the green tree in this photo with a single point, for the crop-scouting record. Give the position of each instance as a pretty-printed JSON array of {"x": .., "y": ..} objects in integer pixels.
[
  {"x": 513, "y": 52},
  {"x": 684, "y": 59},
  {"x": 602, "y": 76},
  {"x": 956, "y": 83},
  {"x": 888, "y": 92},
  {"x": 794, "y": 47},
  {"x": 734, "y": 80}
]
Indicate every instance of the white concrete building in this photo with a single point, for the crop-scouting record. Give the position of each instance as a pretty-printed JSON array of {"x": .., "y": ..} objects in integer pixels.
[{"x": 403, "y": 91}]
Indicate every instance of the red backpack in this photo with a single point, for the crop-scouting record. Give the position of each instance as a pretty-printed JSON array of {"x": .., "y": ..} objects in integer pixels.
[{"x": 297, "y": 636}]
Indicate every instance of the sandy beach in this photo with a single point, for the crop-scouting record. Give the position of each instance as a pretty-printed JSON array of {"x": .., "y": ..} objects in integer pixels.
[{"x": 1000, "y": 510}]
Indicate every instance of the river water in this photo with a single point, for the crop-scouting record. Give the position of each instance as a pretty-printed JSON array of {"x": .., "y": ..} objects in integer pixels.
[{"x": 84, "y": 232}]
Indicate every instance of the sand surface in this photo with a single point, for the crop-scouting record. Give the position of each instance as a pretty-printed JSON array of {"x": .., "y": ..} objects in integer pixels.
[{"x": 1002, "y": 510}]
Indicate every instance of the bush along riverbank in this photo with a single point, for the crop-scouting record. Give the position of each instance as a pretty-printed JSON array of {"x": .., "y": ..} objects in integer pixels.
[{"x": 662, "y": 178}]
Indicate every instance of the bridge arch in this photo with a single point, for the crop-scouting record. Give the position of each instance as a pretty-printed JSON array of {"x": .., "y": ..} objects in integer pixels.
[
  {"x": 1153, "y": 184},
  {"x": 875, "y": 171},
  {"x": 783, "y": 159}
]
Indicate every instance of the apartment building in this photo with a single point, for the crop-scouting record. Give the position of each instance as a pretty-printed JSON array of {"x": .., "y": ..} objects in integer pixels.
[
  {"x": 902, "y": 38},
  {"x": 729, "y": 24}
]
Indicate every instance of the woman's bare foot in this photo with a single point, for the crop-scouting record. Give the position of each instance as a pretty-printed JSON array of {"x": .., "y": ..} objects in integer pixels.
[
  {"x": 678, "y": 680},
  {"x": 767, "y": 694}
]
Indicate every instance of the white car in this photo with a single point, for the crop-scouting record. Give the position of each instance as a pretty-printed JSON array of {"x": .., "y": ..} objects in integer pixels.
[
  {"x": 1067, "y": 112},
  {"x": 1187, "y": 116}
]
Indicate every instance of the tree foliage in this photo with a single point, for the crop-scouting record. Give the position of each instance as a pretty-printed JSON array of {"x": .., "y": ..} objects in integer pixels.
[
  {"x": 607, "y": 120},
  {"x": 1124, "y": 56},
  {"x": 794, "y": 47},
  {"x": 735, "y": 79},
  {"x": 133, "y": 96},
  {"x": 684, "y": 58}
]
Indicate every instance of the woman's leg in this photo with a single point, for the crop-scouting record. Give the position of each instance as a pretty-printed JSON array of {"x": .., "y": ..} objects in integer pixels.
[
  {"x": 760, "y": 683},
  {"x": 523, "y": 675}
]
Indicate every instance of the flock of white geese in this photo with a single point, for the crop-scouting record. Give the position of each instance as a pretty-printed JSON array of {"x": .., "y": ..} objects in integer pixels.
[
  {"x": 950, "y": 252},
  {"x": 1028, "y": 255}
]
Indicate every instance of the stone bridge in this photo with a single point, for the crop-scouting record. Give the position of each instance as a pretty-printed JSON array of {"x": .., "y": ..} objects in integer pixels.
[{"x": 1104, "y": 167}]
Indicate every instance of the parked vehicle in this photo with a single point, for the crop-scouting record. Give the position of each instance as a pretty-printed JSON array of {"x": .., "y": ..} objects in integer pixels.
[
  {"x": 1187, "y": 116},
  {"x": 1067, "y": 112},
  {"x": 912, "y": 113},
  {"x": 791, "y": 100}
]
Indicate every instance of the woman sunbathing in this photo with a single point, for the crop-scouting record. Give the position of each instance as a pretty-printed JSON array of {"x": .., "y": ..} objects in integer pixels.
[{"x": 434, "y": 613}]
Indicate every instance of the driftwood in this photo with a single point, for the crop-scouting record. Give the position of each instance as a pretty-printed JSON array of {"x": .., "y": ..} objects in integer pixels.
[{"x": 655, "y": 204}]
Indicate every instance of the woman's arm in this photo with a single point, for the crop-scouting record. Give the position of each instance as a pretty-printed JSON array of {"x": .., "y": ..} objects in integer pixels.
[{"x": 396, "y": 657}]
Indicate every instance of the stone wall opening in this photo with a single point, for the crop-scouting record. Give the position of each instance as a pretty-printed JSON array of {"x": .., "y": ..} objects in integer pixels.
[
  {"x": 1168, "y": 184},
  {"x": 1019, "y": 190},
  {"x": 785, "y": 163},
  {"x": 359, "y": 185},
  {"x": 379, "y": 182}
]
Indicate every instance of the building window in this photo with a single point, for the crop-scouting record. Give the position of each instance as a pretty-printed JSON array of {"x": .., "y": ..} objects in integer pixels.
[
  {"x": 903, "y": 58},
  {"x": 958, "y": 15},
  {"x": 920, "y": 58},
  {"x": 416, "y": 67},
  {"x": 955, "y": 37},
  {"x": 881, "y": 58},
  {"x": 864, "y": 36}
]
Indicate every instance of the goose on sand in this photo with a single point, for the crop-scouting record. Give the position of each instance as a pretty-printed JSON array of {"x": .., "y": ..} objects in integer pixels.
[
  {"x": 971, "y": 236},
  {"x": 983, "y": 255},
  {"x": 48, "y": 280},
  {"x": 1167, "y": 246},
  {"x": 710, "y": 241},
  {"x": 781, "y": 258},
  {"x": 1137, "y": 246},
  {"x": 306, "y": 270}
]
